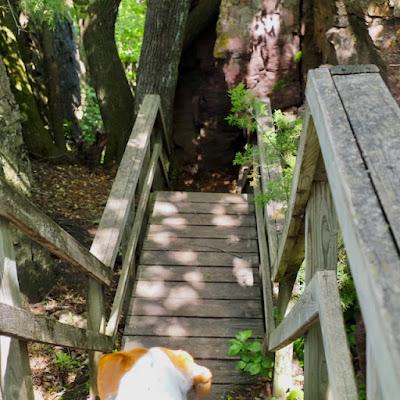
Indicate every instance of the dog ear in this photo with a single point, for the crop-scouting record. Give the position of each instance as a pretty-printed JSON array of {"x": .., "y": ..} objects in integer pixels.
[{"x": 111, "y": 368}]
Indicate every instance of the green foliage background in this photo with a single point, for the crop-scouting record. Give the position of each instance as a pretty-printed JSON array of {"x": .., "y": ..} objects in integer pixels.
[{"x": 129, "y": 32}]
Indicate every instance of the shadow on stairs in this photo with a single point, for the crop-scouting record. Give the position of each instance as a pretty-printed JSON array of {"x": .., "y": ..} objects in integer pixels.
[{"x": 197, "y": 281}]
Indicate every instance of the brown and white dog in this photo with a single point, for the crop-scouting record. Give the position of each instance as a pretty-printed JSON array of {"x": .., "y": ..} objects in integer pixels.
[{"x": 151, "y": 374}]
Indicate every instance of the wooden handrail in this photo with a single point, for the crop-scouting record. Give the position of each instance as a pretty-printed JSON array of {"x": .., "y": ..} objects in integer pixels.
[
  {"x": 43, "y": 230},
  {"x": 350, "y": 140},
  {"x": 148, "y": 137}
]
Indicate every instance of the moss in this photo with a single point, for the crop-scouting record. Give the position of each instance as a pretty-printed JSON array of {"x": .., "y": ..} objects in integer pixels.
[{"x": 221, "y": 45}]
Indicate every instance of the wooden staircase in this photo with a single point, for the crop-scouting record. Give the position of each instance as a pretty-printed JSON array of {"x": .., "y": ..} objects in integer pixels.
[{"x": 197, "y": 283}]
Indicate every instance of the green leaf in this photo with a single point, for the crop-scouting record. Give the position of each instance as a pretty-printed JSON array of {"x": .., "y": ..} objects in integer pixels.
[
  {"x": 235, "y": 349},
  {"x": 241, "y": 365},
  {"x": 254, "y": 369},
  {"x": 254, "y": 347},
  {"x": 244, "y": 335},
  {"x": 267, "y": 363}
]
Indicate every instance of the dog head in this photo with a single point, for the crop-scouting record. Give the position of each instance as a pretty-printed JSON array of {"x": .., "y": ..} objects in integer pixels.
[{"x": 123, "y": 374}]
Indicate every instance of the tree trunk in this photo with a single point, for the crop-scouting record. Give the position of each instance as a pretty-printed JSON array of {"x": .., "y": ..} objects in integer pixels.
[
  {"x": 164, "y": 34},
  {"x": 36, "y": 137},
  {"x": 56, "y": 109},
  {"x": 107, "y": 76},
  {"x": 199, "y": 17}
]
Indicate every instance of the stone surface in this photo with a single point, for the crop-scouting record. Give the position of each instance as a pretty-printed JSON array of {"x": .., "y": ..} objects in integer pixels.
[{"x": 35, "y": 267}]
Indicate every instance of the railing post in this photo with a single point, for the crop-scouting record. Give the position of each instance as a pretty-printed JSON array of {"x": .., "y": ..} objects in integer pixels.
[
  {"x": 320, "y": 254},
  {"x": 15, "y": 374}
]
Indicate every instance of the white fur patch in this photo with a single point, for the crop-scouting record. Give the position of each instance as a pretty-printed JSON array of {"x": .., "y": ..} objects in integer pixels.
[{"x": 154, "y": 377}]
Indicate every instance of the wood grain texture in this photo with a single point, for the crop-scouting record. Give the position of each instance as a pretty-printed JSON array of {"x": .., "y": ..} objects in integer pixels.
[
  {"x": 130, "y": 254},
  {"x": 342, "y": 383},
  {"x": 21, "y": 324},
  {"x": 375, "y": 118},
  {"x": 204, "y": 219},
  {"x": 230, "y": 245},
  {"x": 246, "y": 276},
  {"x": 112, "y": 225},
  {"x": 210, "y": 232},
  {"x": 183, "y": 290},
  {"x": 193, "y": 258},
  {"x": 190, "y": 326},
  {"x": 200, "y": 197},
  {"x": 320, "y": 254},
  {"x": 373, "y": 255},
  {"x": 265, "y": 268},
  {"x": 199, "y": 348},
  {"x": 175, "y": 307},
  {"x": 43, "y": 230},
  {"x": 274, "y": 211},
  {"x": 291, "y": 247},
  {"x": 15, "y": 372},
  {"x": 167, "y": 208},
  {"x": 303, "y": 314}
]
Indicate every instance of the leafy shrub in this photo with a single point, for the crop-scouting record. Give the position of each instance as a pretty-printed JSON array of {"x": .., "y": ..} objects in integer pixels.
[
  {"x": 281, "y": 142},
  {"x": 251, "y": 355},
  {"x": 66, "y": 362},
  {"x": 129, "y": 30},
  {"x": 91, "y": 118}
]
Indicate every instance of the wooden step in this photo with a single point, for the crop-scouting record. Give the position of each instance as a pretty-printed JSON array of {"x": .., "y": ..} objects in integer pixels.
[
  {"x": 204, "y": 259},
  {"x": 245, "y": 276},
  {"x": 190, "y": 326},
  {"x": 186, "y": 291},
  {"x": 199, "y": 307}
]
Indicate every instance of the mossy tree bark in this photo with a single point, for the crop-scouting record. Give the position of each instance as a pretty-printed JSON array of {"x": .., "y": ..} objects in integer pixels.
[
  {"x": 37, "y": 138},
  {"x": 107, "y": 75},
  {"x": 163, "y": 39}
]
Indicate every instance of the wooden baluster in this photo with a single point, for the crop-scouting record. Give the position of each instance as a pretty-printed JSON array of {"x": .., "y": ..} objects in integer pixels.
[
  {"x": 374, "y": 390},
  {"x": 15, "y": 374},
  {"x": 320, "y": 254}
]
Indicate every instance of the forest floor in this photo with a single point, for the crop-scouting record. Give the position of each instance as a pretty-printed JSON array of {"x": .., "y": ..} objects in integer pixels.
[{"x": 75, "y": 196}]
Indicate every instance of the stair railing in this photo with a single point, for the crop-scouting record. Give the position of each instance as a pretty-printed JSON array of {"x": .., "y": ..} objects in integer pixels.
[
  {"x": 145, "y": 163},
  {"x": 346, "y": 177}
]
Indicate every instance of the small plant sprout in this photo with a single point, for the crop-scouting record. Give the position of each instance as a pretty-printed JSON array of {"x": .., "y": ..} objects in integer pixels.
[{"x": 250, "y": 352}]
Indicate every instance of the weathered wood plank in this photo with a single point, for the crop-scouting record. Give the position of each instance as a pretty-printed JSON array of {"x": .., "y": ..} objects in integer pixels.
[
  {"x": 204, "y": 219},
  {"x": 321, "y": 254},
  {"x": 353, "y": 69},
  {"x": 342, "y": 384},
  {"x": 190, "y": 327},
  {"x": 224, "y": 371},
  {"x": 303, "y": 314},
  {"x": 274, "y": 211},
  {"x": 245, "y": 276},
  {"x": 194, "y": 258},
  {"x": 291, "y": 247},
  {"x": 201, "y": 197},
  {"x": 112, "y": 225},
  {"x": 175, "y": 307},
  {"x": 15, "y": 373},
  {"x": 129, "y": 257},
  {"x": 373, "y": 255},
  {"x": 43, "y": 230},
  {"x": 166, "y": 208},
  {"x": 265, "y": 268},
  {"x": 199, "y": 348},
  {"x": 21, "y": 324},
  {"x": 374, "y": 390},
  {"x": 183, "y": 290},
  {"x": 221, "y": 391},
  {"x": 372, "y": 109},
  {"x": 210, "y": 232},
  {"x": 204, "y": 245}
]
